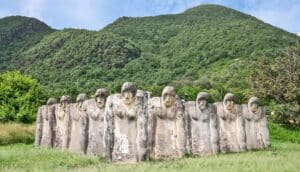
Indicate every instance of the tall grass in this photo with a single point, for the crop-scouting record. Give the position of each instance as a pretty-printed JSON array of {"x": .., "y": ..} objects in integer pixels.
[
  {"x": 16, "y": 133},
  {"x": 21, "y": 133}
]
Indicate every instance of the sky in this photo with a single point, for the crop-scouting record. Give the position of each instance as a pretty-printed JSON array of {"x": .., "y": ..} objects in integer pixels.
[{"x": 95, "y": 14}]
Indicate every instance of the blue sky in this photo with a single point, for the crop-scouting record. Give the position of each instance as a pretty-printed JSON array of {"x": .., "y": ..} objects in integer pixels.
[{"x": 95, "y": 14}]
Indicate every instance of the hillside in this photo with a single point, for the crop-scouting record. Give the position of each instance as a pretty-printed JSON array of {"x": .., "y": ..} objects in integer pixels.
[
  {"x": 17, "y": 34},
  {"x": 206, "y": 44}
]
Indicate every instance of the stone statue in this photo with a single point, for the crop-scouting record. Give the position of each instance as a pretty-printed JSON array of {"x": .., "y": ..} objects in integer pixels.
[
  {"x": 256, "y": 125},
  {"x": 126, "y": 125},
  {"x": 79, "y": 126},
  {"x": 231, "y": 125},
  {"x": 45, "y": 125},
  {"x": 167, "y": 121},
  {"x": 63, "y": 123},
  {"x": 95, "y": 108},
  {"x": 203, "y": 132}
]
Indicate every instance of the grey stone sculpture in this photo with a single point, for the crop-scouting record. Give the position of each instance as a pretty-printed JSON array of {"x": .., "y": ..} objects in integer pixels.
[
  {"x": 231, "y": 125},
  {"x": 167, "y": 121},
  {"x": 45, "y": 125},
  {"x": 62, "y": 132},
  {"x": 79, "y": 126},
  {"x": 126, "y": 130},
  {"x": 202, "y": 121},
  {"x": 95, "y": 109},
  {"x": 131, "y": 126},
  {"x": 256, "y": 126}
]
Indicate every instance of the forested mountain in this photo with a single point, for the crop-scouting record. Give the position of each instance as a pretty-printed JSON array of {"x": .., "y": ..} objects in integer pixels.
[
  {"x": 17, "y": 35},
  {"x": 208, "y": 46}
]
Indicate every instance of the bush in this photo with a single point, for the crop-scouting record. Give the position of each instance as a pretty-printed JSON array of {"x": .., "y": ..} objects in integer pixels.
[
  {"x": 20, "y": 96},
  {"x": 279, "y": 81}
]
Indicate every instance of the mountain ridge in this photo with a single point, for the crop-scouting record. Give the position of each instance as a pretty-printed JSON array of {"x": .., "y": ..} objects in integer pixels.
[{"x": 207, "y": 41}]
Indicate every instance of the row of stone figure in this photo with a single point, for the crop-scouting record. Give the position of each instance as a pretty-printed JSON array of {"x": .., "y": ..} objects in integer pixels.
[{"x": 131, "y": 127}]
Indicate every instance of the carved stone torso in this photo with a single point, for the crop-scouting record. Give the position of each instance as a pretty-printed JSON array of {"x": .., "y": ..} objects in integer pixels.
[
  {"x": 231, "y": 129},
  {"x": 78, "y": 133},
  {"x": 62, "y": 127},
  {"x": 48, "y": 113},
  {"x": 125, "y": 131},
  {"x": 203, "y": 131},
  {"x": 255, "y": 128},
  {"x": 167, "y": 130},
  {"x": 95, "y": 129}
]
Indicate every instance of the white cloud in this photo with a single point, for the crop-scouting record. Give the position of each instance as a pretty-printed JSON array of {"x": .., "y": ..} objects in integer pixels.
[
  {"x": 283, "y": 14},
  {"x": 5, "y": 12},
  {"x": 32, "y": 8},
  {"x": 94, "y": 14}
]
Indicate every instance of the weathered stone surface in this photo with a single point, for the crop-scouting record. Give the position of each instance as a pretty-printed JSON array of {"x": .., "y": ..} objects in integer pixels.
[
  {"x": 62, "y": 131},
  {"x": 231, "y": 125},
  {"x": 256, "y": 127},
  {"x": 95, "y": 109},
  {"x": 45, "y": 125},
  {"x": 202, "y": 120},
  {"x": 79, "y": 126},
  {"x": 168, "y": 125},
  {"x": 126, "y": 125},
  {"x": 142, "y": 125}
]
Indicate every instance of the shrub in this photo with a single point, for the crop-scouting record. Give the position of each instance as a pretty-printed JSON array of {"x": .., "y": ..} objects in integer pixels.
[{"x": 20, "y": 96}]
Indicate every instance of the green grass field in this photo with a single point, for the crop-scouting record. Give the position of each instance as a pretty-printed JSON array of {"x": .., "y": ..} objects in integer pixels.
[
  {"x": 283, "y": 156},
  {"x": 17, "y": 156}
]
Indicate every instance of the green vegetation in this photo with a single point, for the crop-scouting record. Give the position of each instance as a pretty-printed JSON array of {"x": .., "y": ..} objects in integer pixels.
[
  {"x": 11, "y": 133},
  {"x": 281, "y": 83},
  {"x": 284, "y": 133},
  {"x": 283, "y": 156},
  {"x": 209, "y": 48},
  {"x": 20, "y": 96},
  {"x": 17, "y": 34}
]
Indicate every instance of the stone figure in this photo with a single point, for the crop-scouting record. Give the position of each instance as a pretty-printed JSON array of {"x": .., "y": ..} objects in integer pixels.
[
  {"x": 45, "y": 125},
  {"x": 79, "y": 126},
  {"x": 202, "y": 120},
  {"x": 256, "y": 125},
  {"x": 63, "y": 123},
  {"x": 126, "y": 125},
  {"x": 231, "y": 125},
  {"x": 166, "y": 114},
  {"x": 95, "y": 109}
]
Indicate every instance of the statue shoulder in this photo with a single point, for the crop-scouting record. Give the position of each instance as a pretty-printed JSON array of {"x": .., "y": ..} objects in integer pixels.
[
  {"x": 212, "y": 108},
  {"x": 155, "y": 102},
  {"x": 190, "y": 106},
  {"x": 238, "y": 110},
  {"x": 89, "y": 104},
  {"x": 113, "y": 100}
]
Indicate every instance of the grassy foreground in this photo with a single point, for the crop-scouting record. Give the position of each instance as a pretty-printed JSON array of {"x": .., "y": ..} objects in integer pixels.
[
  {"x": 283, "y": 156},
  {"x": 17, "y": 156}
]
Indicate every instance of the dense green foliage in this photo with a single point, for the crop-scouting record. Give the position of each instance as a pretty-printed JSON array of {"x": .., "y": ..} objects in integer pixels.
[
  {"x": 20, "y": 96},
  {"x": 73, "y": 61},
  {"x": 208, "y": 40},
  {"x": 208, "y": 48},
  {"x": 279, "y": 81},
  {"x": 17, "y": 34}
]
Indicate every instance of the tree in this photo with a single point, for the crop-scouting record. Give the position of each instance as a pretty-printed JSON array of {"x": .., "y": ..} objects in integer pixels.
[
  {"x": 280, "y": 81},
  {"x": 20, "y": 96}
]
